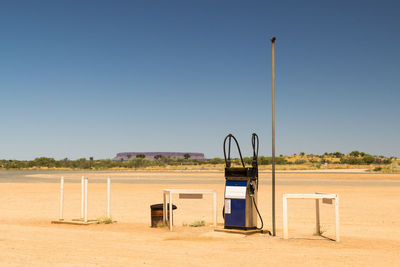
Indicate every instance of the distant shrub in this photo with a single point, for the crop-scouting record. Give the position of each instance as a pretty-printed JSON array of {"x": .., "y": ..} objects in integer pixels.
[
  {"x": 280, "y": 160},
  {"x": 264, "y": 160},
  {"x": 300, "y": 161},
  {"x": 198, "y": 223},
  {"x": 354, "y": 153},
  {"x": 351, "y": 161},
  {"x": 377, "y": 169},
  {"x": 158, "y": 157},
  {"x": 216, "y": 161},
  {"x": 368, "y": 159},
  {"x": 337, "y": 154}
]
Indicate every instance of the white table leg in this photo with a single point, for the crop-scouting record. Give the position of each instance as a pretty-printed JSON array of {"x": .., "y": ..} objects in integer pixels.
[
  {"x": 82, "y": 197},
  {"x": 108, "y": 197},
  {"x": 164, "y": 214},
  {"x": 62, "y": 199},
  {"x": 170, "y": 211},
  {"x": 85, "y": 219},
  {"x": 285, "y": 223},
  {"x": 317, "y": 220},
  {"x": 215, "y": 208},
  {"x": 337, "y": 218}
]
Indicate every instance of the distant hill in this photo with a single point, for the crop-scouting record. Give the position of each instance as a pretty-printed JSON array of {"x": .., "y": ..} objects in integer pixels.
[{"x": 123, "y": 156}]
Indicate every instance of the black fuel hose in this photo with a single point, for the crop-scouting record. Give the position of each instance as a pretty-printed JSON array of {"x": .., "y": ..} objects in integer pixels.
[
  {"x": 228, "y": 160},
  {"x": 259, "y": 215},
  {"x": 255, "y": 145}
]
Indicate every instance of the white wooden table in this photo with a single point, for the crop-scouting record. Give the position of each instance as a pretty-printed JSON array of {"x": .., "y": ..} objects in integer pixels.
[
  {"x": 186, "y": 194},
  {"x": 326, "y": 198}
]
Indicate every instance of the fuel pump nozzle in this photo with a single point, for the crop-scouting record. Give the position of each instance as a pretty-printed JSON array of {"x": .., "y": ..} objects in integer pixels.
[
  {"x": 255, "y": 145},
  {"x": 254, "y": 162}
]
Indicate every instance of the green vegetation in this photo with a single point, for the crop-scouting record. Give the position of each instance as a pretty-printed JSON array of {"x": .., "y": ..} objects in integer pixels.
[
  {"x": 300, "y": 161},
  {"x": 140, "y": 162},
  {"x": 377, "y": 169},
  {"x": 198, "y": 223},
  {"x": 364, "y": 159},
  {"x": 104, "y": 220}
]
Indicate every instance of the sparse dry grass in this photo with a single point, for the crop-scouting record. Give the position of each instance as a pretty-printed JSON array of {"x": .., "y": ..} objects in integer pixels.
[
  {"x": 198, "y": 223},
  {"x": 104, "y": 220}
]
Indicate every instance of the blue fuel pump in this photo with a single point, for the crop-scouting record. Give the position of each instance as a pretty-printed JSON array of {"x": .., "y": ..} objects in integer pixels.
[{"x": 241, "y": 188}]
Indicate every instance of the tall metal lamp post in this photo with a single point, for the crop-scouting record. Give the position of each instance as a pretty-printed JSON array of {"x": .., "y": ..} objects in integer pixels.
[{"x": 273, "y": 136}]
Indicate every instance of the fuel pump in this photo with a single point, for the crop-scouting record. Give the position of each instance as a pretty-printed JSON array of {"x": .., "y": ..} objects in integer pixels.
[{"x": 241, "y": 189}]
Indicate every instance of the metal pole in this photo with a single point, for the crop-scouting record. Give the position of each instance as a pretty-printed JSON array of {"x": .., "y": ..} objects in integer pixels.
[
  {"x": 108, "y": 197},
  {"x": 273, "y": 136},
  {"x": 62, "y": 199}
]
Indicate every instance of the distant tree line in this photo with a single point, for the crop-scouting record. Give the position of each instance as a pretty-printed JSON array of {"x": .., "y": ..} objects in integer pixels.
[
  {"x": 360, "y": 158},
  {"x": 353, "y": 158}
]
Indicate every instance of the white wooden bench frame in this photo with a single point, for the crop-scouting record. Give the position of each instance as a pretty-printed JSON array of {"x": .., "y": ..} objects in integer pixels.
[
  {"x": 317, "y": 197},
  {"x": 168, "y": 194}
]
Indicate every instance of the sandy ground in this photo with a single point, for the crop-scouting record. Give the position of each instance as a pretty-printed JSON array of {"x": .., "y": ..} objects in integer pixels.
[{"x": 369, "y": 214}]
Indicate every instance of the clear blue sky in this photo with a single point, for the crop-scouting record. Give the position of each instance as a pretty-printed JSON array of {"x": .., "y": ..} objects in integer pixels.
[{"x": 93, "y": 78}]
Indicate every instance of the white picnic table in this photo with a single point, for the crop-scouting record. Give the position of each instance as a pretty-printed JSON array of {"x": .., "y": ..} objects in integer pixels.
[
  {"x": 326, "y": 198},
  {"x": 188, "y": 194}
]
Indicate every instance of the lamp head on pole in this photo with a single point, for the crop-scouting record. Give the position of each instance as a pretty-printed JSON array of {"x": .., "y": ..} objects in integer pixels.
[{"x": 273, "y": 39}]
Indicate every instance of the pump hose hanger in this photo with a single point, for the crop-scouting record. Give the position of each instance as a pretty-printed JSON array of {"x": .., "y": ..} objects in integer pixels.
[{"x": 241, "y": 189}]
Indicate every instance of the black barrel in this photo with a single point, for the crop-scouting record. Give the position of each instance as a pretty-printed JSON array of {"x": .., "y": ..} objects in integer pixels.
[{"x": 157, "y": 214}]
